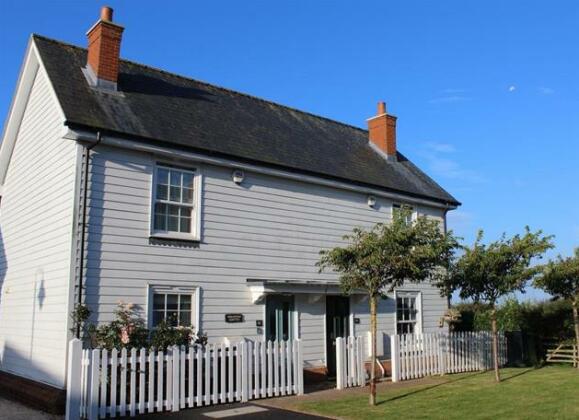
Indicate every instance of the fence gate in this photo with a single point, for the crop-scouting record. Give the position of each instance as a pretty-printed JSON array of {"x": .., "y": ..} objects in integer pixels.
[
  {"x": 418, "y": 355},
  {"x": 125, "y": 382},
  {"x": 350, "y": 369},
  {"x": 564, "y": 353}
]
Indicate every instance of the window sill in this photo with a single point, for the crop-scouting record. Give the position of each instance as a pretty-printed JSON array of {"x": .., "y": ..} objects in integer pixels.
[{"x": 174, "y": 237}]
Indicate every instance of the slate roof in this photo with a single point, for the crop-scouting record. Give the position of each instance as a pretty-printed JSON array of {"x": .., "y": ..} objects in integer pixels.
[{"x": 162, "y": 107}]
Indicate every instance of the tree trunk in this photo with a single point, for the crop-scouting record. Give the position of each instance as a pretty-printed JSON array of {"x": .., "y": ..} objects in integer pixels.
[
  {"x": 373, "y": 350},
  {"x": 495, "y": 343},
  {"x": 576, "y": 322}
]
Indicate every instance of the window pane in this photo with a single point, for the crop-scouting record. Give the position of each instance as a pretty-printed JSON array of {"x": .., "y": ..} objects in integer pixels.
[
  {"x": 175, "y": 194},
  {"x": 187, "y": 180},
  {"x": 160, "y": 208},
  {"x": 163, "y": 176},
  {"x": 160, "y": 222},
  {"x": 172, "y": 318},
  {"x": 161, "y": 192},
  {"x": 187, "y": 195},
  {"x": 158, "y": 301},
  {"x": 412, "y": 309},
  {"x": 173, "y": 224},
  {"x": 158, "y": 316},
  {"x": 185, "y": 318},
  {"x": 185, "y": 302},
  {"x": 185, "y": 225},
  {"x": 173, "y": 210},
  {"x": 172, "y": 302},
  {"x": 175, "y": 178}
]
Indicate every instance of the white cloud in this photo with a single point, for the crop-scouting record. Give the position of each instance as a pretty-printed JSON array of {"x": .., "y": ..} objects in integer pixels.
[
  {"x": 441, "y": 147},
  {"x": 441, "y": 165},
  {"x": 512, "y": 88},
  {"x": 449, "y": 168},
  {"x": 546, "y": 90},
  {"x": 453, "y": 91},
  {"x": 449, "y": 99}
]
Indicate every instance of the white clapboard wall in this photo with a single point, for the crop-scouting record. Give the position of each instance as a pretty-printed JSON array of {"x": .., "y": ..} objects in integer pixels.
[
  {"x": 419, "y": 355},
  {"x": 110, "y": 383}
]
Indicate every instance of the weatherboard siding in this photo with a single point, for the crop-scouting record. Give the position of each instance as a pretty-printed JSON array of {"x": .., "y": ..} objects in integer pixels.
[
  {"x": 266, "y": 228},
  {"x": 36, "y": 221}
]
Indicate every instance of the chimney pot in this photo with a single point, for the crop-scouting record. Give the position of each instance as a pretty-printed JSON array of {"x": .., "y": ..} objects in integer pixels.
[
  {"x": 382, "y": 132},
  {"x": 381, "y": 108},
  {"x": 107, "y": 13}
]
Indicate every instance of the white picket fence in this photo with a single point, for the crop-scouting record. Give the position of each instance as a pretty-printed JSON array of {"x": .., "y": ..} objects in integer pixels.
[
  {"x": 350, "y": 369},
  {"x": 416, "y": 356},
  {"x": 124, "y": 382}
]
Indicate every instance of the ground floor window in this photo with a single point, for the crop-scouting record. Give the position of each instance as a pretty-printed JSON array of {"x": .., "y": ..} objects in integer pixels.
[
  {"x": 176, "y": 306},
  {"x": 407, "y": 313},
  {"x": 279, "y": 317}
]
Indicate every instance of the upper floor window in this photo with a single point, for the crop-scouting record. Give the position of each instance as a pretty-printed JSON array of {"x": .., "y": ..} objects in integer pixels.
[
  {"x": 176, "y": 205},
  {"x": 397, "y": 208},
  {"x": 408, "y": 313}
]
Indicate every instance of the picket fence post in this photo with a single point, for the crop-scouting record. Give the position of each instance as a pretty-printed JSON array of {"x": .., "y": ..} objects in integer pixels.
[
  {"x": 300, "y": 378},
  {"x": 395, "y": 357},
  {"x": 74, "y": 380},
  {"x": 443, "y": 353},
  {"x": 244, "y": 378},
  {"x": 339, "y": 364}
]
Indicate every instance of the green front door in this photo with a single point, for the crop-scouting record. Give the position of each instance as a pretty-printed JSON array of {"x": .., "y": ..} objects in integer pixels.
[{"x": 279, "y": 317}]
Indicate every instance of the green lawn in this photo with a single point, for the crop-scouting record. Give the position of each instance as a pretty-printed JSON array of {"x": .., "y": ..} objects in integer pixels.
[{"x": 548, "y": 393}]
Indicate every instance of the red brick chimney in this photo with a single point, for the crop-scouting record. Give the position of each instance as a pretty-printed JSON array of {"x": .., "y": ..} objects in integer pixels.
[
  {"x": 104, "y": 47},
  {"x": 382, "y": 131}
]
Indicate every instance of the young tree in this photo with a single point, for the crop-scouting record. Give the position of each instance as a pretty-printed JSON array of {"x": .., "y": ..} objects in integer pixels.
[
  {"x": 384, "y": 257},
  {"x": 560, "y": 278},
  {"x": 485, "y": 273}
]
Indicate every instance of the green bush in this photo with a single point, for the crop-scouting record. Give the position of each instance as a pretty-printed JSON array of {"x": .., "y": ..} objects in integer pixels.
[
  {"x": 164, "y": 336},
  {"x": 537, "y": 324},
  {"x": 127, "y": 330}
]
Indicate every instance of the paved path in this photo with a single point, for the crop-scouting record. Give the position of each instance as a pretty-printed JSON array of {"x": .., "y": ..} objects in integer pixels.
[
  {"x": 231, "y": 411},
  {"x": 15, "y": 411}
]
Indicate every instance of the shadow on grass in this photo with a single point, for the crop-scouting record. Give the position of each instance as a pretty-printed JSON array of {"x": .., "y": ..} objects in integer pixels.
[
  {"x": 452, "y": 381},
  {"x": 524, "y": 372},
  {"x": 428, "y": 388}
]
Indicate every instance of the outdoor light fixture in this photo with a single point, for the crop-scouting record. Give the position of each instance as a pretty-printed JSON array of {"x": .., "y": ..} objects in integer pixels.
[
  {"x": 371, "y": 201},
  {"x": 238, "y": 176}
]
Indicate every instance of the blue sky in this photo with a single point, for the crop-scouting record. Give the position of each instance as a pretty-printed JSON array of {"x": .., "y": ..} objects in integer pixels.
[{"x": 486, "y": 93}]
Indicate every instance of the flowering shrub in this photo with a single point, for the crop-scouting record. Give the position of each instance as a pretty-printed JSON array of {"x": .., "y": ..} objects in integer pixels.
[{"x": 128, "y": 330}]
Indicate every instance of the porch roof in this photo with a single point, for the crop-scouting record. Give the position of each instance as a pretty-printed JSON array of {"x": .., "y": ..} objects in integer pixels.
[{"x": 261, "y": 287}]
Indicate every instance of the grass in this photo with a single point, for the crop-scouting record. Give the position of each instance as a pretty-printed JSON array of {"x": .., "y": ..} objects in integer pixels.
[{"x": 548, "y": 393}]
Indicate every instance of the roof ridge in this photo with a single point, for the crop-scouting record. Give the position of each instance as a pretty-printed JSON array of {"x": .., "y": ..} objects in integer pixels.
[{"x": 267, "y": 101}]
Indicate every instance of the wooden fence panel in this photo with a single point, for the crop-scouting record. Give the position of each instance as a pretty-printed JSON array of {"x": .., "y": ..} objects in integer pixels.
[{"x": 419, "y": 355}]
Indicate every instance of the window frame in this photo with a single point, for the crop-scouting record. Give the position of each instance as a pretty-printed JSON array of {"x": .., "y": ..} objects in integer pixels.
[
  {"x": 196, "y": 206},
  {"x": 418, "y": 299},
  {"x": 194, "y": 292},
  {"x": 399, "y": 205}
]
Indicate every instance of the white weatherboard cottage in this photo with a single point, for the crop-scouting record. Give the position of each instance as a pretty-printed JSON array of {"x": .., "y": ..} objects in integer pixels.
[{"x": 204, "y": 206}]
